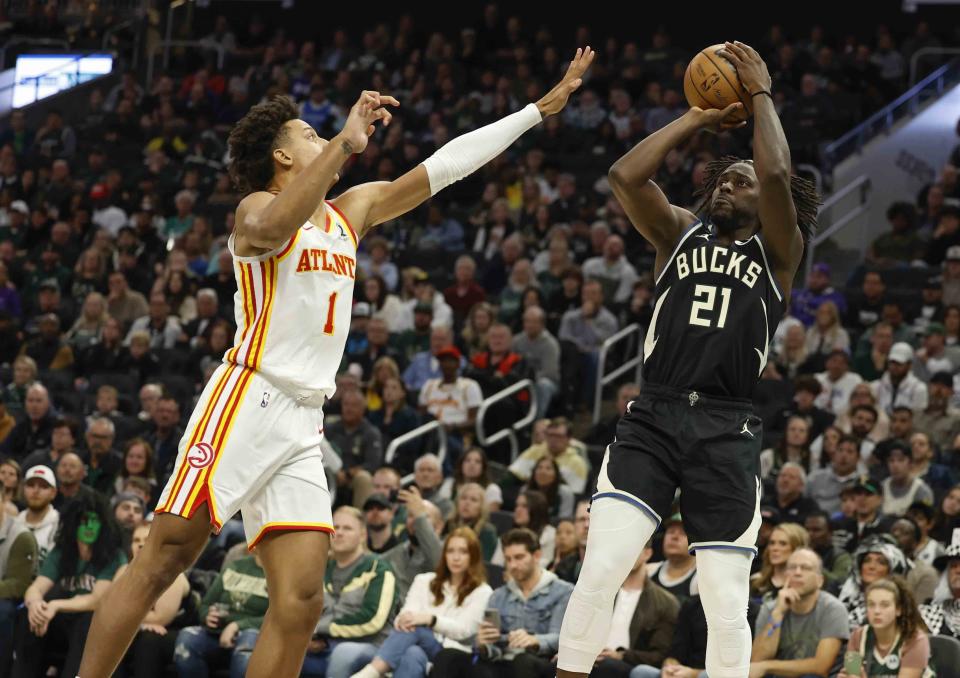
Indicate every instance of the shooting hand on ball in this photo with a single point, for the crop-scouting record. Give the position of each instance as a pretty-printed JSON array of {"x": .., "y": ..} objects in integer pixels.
[{"x": 750, "y": 67}]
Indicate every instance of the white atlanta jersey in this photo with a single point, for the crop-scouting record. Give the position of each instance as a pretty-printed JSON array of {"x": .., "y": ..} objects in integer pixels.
[{"x": 293, "y": 308}]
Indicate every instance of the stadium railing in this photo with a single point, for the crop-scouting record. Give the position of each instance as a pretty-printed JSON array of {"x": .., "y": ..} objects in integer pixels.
[
  {"x": 510, "y": 432},
  {"x": 859, "y": 189},
  {"x": 419, "y": 432},
  {"x": 627, "y": 333}
]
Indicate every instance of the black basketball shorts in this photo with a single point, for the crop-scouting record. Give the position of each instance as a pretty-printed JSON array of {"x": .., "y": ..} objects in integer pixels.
[{"x": 706, "y": 446}]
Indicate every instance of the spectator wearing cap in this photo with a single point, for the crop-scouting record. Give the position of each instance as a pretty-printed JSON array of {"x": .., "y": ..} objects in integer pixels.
[
  {"x": 838, "y": 383},
  {"x": 416, "y": 339},
  {"x": 927, "y": 549},
  {"x": 803, "y": 629},
  {"x": 377, "y": 262},
  {"x": 824, "y": 485},
  {"x": 942, "y": 617},
  {"x": 863, "y": 311},
  {"x": 13, "y": 219},
  {"x": 379, "y": 513},
  {"x": 868, "y": 519},
  {"x": 806, "y": 301},
  {"x": 902, "y": 244},
  {"x": 128, "y": 511},
  {"x": 35, "y": 430},
  {"x": 451, "y": 399},
  {"x": 677, "y": 573},
  {"x": 898, "y": 385},
  {"x": 951, "y": 277},
  {"x": 465, "y": 292},
  {"x": 937, "y": 476},
  {"x": 357, "y": 341},
  {"x": 18, "y": 565},
  {"x": 421, "y": 550},
  {"x": 48, "y": 349},
  {"x": 901, "y": 488},
  {"x": 425, "y": 291},
  {"x": 39, "y": 516},
  {"x": 932, "y": 356},
  {"x": 836, "y": 562}
]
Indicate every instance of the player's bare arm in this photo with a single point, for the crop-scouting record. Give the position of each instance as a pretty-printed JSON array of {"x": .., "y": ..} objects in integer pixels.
[
  {"x": 267, "y": 219},
  {"x": 771, "y": 162},
  {"x": 631, "y": 178},
  {"x": 374, "y": 203}
]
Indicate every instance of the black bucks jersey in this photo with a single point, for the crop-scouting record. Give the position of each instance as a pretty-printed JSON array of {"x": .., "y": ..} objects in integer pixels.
[{"x": 716, "y": 309}]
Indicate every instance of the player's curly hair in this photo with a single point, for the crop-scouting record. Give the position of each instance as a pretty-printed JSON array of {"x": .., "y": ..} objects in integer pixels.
[
  {"x": 806, "y": 200},
  {"x": 253, "y": 139}
]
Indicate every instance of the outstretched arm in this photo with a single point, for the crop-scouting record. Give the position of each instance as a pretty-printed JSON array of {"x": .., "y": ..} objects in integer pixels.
[
  {"x": 631, "y": 178},
  {"x": 266, "y": 221},
  {"x": 771, "y": 162},
  {"x": 371, "y": 204}
]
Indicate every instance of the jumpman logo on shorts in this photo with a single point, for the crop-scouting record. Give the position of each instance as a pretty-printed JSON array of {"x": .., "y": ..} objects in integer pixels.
[{"x": 745, "y": 429}]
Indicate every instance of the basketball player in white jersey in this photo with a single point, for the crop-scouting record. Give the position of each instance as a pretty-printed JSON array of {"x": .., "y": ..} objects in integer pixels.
[{"x": 253, "y": 440}]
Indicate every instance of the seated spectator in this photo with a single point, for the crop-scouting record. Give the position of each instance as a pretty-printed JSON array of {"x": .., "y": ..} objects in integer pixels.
[
  {"x": 785, "y": 539},
  {"x": 868, "y": 424},
  {"x": 35, "y": 430},
  {"x": 15, "y": 393},
  {"x": 932, "y": 356},
  {"x": 902, "y": 488},
  {"x": 531, "y": 512},
  {"x": 395, "y": 418},
  {"x": 587, "y": 327},
  {"x": 421, "y": 550},
  {"x": 473, "y": 467},
  {"x": 48, "y": 349},
  {"x": 107, "y": 356},
  {"x": 378, "y": 262},
  {"x": 806, "y": 389},
  {"x": 443, "y": 609},
  {"x": 568, "y": 568},
  {"x": 197, "y": 332},
  {"x": 573, "y": 466},
  {"x": 894, "y": 624},
  {"x": 794, "y": 448},
  {"x": 945, "y": 236},
  {"x": 11, "y": 490},
  {"x": 427, "y": 476},
  {"x": 128, "y": 512},
  {"x": 359, "y": 445},
  {"x": 231, "y": 612},
  {"x": 803, "y": 629},
  {"x": 789, "y": 494},
  {"x": 425, "y": 365},
  {"x": 70, "y": 475},
  {"x": 441, "y": 231},
  {"x": 73, "y": 577},
  {"x": 137, "y": 463},
  {"x": 644, "y": 617},
  {"x": 39, "y": 516},
  {"x": 153, "y": 646},
  {"x": 359, "y": 597},
  {"x": 541, "y": 351},
  {"x": 566, "y": 544},
  {"x": 838, "y": 383},
  {"x": 902, "y": 244},
  {"x": 941, "y": 616},
  {"x": 677, "y": 574},
  {"x": 826, "y": 334},
  {"x": 940, "y": 420},
  {"x": 835, "y": 562},
  {"x": 791, "y": 358},
  {"x": 378, "y": 346},
  {"x": 898, "y": 385},
  {"x": 824, "y": 485},
  {"x": 465, "y": 292},
  {"x": 864, "y": 312},
  {"x": 546, "y": 478},
  {"x": 926, "y": 550},
  {"x": 613, "y": 271},
  {"x": 143, "y": 361},
  {"x": 424, "y": 291},
  {"x": 868, "y": 519},
  {"x": 385, "y": 306},
  {"x": 384, "y": 368},
  {"x": 124, "y": 304},
  {"x": 473, "y": 336},
  {"x": 18, "y": 561},
  {"x": 162, "y": 328},
  {"x": 510, "y": 304},
  {"x": 870, "y": 359},
  {"x": 531, "y": 608},
  {"x": 88, "y": 327},
  {"x": 806, "y": 301},
  {"x": 103, "y": 462},
  {"x": 412, "y": 341},
  {"x": 948, "y": 517},
  {"x": 471, "y": 511},
  {"x": 452, "y": 400}
]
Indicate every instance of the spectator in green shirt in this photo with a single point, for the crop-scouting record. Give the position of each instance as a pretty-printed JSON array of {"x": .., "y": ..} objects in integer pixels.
[
  {"x": 901, "y": 244},
  {"x": 73, "y": 577}
]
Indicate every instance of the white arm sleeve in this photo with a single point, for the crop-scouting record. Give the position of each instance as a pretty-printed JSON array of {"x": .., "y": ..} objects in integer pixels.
[{"x": 469, "y": 152}]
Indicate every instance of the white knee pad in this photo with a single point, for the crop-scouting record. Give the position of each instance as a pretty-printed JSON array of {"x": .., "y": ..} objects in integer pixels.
[
  {"x": 724, "y": 581},
  {"x": 618, "y": 532}
]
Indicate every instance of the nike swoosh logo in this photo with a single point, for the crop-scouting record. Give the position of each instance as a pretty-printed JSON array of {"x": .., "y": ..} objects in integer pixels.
[
  {"x": 650, "y": 340},
  {"x": 766, "y": 343}
]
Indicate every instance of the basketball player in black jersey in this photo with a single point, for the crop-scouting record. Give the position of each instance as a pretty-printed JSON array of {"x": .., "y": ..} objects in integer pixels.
[{"x": 723, "y": 277}]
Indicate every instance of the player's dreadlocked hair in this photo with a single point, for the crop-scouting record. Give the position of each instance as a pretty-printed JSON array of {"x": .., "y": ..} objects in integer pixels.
[
  {"x": 253, "y": 139},
  {"x": 806, "y": 200}
]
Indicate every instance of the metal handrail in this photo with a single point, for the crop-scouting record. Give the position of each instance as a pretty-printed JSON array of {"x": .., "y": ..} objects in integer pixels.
[
  {"x": 27, "y": 40},
  {"x": 887, "y": 114},
  {"x": 510, "y": 431},
  {"x": 863, "y": 186},
  {"x": 925, "y": 52},
  {"x": 602, "y": 379},
  {"x": 167, "y": 44},
  {"x": 418, "y": 432}
]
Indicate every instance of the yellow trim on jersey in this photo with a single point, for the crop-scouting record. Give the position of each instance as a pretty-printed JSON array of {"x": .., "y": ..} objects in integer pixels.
[
  {"x": 271, "y": 527},
  {"x": 285, "y": 252},
  {"x": 272, "y": 275},
  {"x": 248, "y": 300}
]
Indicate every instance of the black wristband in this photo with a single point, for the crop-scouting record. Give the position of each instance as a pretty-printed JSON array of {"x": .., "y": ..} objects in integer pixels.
[{"x": 762, "y": 91}]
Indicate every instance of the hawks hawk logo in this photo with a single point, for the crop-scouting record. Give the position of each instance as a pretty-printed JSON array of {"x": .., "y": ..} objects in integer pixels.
[{"x": 200, "y": 455}]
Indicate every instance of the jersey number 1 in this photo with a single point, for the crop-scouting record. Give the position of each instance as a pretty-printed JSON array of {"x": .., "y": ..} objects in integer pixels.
[
  {"x": 709, "y": 295},
  {"x": 328, "y": 326}
]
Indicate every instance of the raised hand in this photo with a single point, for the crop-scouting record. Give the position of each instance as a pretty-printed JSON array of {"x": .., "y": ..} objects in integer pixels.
[
  {"x": 750, "y": 66},
  {"x": 554, "y": 100},
  {"x": 361, "y": 121}
]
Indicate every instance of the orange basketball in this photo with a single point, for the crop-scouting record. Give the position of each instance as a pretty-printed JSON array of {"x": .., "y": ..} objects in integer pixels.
[{"x": 711, "y": 81}]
